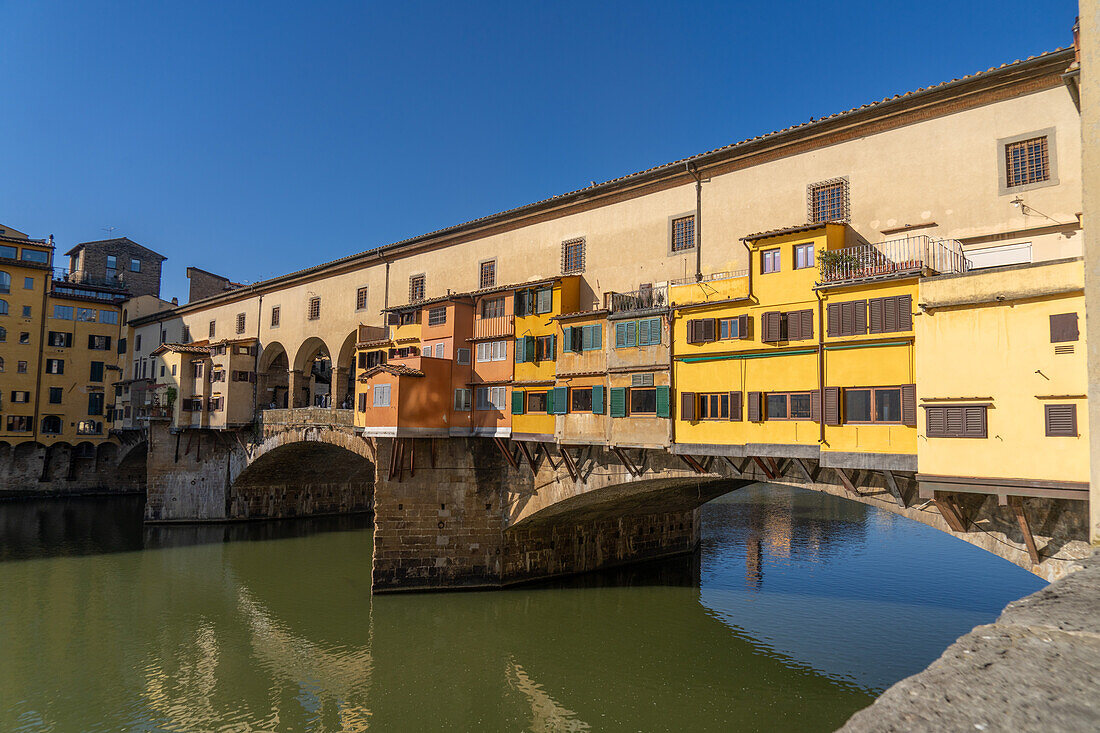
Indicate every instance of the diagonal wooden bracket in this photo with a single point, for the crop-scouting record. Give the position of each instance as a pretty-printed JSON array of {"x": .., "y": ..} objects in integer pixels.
[
  {"x": 530, "y": 459},
  {"x": 768, "y": 473},
  {"x": 1017, "y": 505},
  {"x": 625, "y": 460},
  {"x": 693, "y": 464},
  {"x": 737, "y": 472},
  {"x": 508, "y": 456},
  {"x": 570, "y": 466},
  {"x": 803, "y": 469},
  {"x": 951, "y": 511},
  {"x": 892, "y": 486},
  {"x": 846, "y": 481}
]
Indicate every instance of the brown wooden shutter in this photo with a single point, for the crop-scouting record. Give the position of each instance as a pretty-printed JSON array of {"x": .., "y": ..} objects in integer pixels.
[
  {"x": 693, "y": 331},
  {"x": 936, "y": 422},
  {"x": 832, "y": 316},
  {"x": 1063, "y": 327},
  {"x": 794, "y": 325},
  {"x": 708, "y": 329},
  {"x": 815, "y": 405},
  {"x": 909, "y": 404},
  {"x": 847, "y": 319},
  {"x": 754, "y": 407},
  {"x": 770, "y": 326},
  {"x": 860, "y": 308},
  {"x": 974, "y": 422},
  {"x": 831, "y": 405},
  {"x": 905, "y": 313},
  {"x": 875, "y": 305},
  {"x": 735, "y": 405},
  {"x": 807, "y": 329},
  {"x": 1061, "y": 421},
  {"x": 687, "y": 405},
  {"x": 889, "y": 315},
  {"x": 744, "y": 327}
]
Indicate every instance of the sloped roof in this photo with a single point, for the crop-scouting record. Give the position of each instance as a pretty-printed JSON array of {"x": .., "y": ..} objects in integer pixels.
[
  {"x": 182, "y": 349},
  {"x": 398, "y": 370},
  {"x": 116, "y": 240},
  {"x": 790, "y": 230}
]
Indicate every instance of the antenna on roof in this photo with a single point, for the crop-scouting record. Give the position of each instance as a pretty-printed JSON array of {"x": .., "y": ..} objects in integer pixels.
[{"x": 109, "y": 229}]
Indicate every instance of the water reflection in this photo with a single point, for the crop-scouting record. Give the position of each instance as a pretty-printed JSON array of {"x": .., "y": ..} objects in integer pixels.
[{"x": 783, "y": 621}]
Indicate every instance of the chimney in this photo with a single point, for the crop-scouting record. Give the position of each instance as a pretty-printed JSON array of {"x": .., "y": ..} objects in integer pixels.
[{"x": 175, "y": 301}]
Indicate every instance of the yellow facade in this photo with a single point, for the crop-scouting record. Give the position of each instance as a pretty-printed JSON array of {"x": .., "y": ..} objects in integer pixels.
[
  {"x": 538, "y": 344},
  {"x": 21, "y": 313},
  {"x": 986, "y": 340}
]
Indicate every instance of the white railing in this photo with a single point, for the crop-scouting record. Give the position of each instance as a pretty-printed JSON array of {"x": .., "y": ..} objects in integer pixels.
[
  {"x": 711, "y": 277},
  {"x": 913, "y": 254},
  {"x": 637, "y": 300}
]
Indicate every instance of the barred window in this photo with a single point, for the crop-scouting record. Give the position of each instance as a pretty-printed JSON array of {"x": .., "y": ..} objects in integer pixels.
[
  {"x": 493, "y": 308},
  {"x": 416, "y": 288},
  {"x": 1027, "y": 161},
  {"x": 488, "y": 276},
  {"x": 683, "y": 233},
  {"x": 275, "y": 313},
  {"x": 211, "y": 332},
  {"x": 828, "y": 201},
  {"x": 240, "y": 323},
  {"x": 572, "y": 256},
  {"x": 314, "y": 311},
  {"x": 361, "y": 298},
  {"x": 437, "y": 316}
]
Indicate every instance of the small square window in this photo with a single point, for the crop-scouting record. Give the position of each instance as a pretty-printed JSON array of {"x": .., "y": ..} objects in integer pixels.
[
  {"x": 803, "y": 256},
  {"x": 437, "y": 316},
  {"x": 1027, "y": 161},
  {"x": 135, "y": 265},
  {"x": 828, "y": 201},
  {"x": 683, "y": 233},
  {"x": 769, "y": 260},
  {"x": 416, "y": 288},
  {"x": 487, "y": 277},
  {"x": 28, "y": 283},
  {"x": 572, "y": 256},
  {"x": 26, "y": 311}
]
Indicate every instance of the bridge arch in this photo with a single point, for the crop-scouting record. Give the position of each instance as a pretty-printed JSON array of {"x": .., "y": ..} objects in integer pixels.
[{"x": 307, "y": 471}]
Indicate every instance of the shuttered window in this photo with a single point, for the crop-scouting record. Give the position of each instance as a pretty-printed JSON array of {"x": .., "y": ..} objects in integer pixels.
[
  {"x": 848, "y": 318},
  {"x": 889, "y": 315},
  {"x": 734, "y": 328},
  {"x": 597, "y": 399},
  {"x": 701, "y": 330},
  {"x": 955, "y": 421},
  {"x": 626, "y": 334},
  {"x": 618, "y": 402},
  {"x": 756, "y": 413},
  {"x": 830, "y": 405},
  {"x": 517, "y": 402},
  {"x": 771, "y": 323},
  {"x": 714, "y": 406},
  {"x": 1061, "y": 421},
  {"x": 536, "y": 402},
  {"x": 800, "y": 324},
  {"x": 735, "y": 405},
  {"x": 1063, "y": 327},
  {"x": 580, "y": 399},
  {"x": 687, "y": 405}
]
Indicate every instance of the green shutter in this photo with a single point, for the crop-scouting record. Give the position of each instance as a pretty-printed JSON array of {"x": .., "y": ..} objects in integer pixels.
[
  {"x": 561, "y": 400},
  {"x": 597, "y": 399},
  {"x": 567, "y": 339},
  {"x": 529, "y": 348},
  {"x": 517, "y": 402},
  {"x": 618, "y": 402},
  {"x": 620, "y": 335},
  {"x": 520, "y": 350},
  {"x": 662, "y": 402},
  {"x": 597, "y": 336}
]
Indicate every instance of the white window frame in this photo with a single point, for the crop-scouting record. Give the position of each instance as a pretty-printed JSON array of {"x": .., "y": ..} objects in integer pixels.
[{"x": 381, "y": 395}]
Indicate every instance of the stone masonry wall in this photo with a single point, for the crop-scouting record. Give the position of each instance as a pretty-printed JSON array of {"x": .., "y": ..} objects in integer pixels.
[
  {"x": 189, "y": 474},
  {"x": 441, "y": 527},
  {"x": 30, "y": 470}
]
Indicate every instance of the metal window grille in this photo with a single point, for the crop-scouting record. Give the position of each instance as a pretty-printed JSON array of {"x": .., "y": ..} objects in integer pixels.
[
  {"x": 275, "y": 312},
  {"x": 488, "y": 276},
  {"x": 492, "y": 308},
  {"x": 416, "y": 288},
  {"x": 572, "y": 256},
  {"x": 240, "y": 323},
  {"x": 437, "y": 316},
  {"x": 361, "y": 299},
  {"x": 683, "y": 233},
  {"x": 211, "y": 332},
  {"x": 828, "y": 201},
  {"x": 1027, "y": 161},
  {"x": 314, "y": 311}
]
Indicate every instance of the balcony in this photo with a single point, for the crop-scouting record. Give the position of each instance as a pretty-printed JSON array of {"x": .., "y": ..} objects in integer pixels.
[
  {"x": 80, "y": 277},
  {"x": 893, "y": 258},
  {"x": 493, "y": 327},
  {"x": 372, "y": 333},
  {"x": 643, "y": 299}
]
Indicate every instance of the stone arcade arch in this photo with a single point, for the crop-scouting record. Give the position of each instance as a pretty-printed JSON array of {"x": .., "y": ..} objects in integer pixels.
[
  {"x": 273, "y": 381},
  {"x": 311, "y": 376},
  {"x": 343, "y": 375}
]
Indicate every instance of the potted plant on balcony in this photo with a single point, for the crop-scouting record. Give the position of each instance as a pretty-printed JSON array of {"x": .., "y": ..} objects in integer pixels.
[{"x": 837, "y": 264}]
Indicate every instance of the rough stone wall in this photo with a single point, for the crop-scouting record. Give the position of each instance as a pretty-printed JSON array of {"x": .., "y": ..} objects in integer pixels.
[
  {"x": 146, "y": 282},
  {"x": 565, "y": 548},
  {"x": 203, "y": 284},
  {"x": 189, "y": 473},
  {"x": 300, "y": 498},
  {"x": 31, "y": 469},
  {"x": 442, "y": 526}
]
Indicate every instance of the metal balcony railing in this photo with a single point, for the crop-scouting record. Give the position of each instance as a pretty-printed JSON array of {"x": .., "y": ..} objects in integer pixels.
[
  {"x": 711, "y": 277},
  {"x": 80, "y": 277},
  {"x": 910, "y": 255},
  {"x": 493, "y": 327},
  {"x": 637, "y": 300}
]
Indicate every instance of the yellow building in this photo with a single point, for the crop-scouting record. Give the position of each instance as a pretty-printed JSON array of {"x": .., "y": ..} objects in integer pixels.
[
  {"x": 24, "y": 281},
  {"x": 535, "y": 402},
  {"x": 1001, "y": 382},
  {"x": 808, "y": 354}
]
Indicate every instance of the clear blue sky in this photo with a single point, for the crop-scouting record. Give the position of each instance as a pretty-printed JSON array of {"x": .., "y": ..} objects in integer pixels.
[{"x": 254, "y": 140}]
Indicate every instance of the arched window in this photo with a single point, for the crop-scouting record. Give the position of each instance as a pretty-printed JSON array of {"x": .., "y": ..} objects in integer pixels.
[
  {"x": 5, "y": 282},
  {"x": 3, "y": 334},
  {"x": 3, "y": 307},
  {"x": 51, "y": 425}
]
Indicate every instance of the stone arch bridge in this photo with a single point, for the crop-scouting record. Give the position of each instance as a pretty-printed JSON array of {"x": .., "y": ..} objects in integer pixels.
[{"x": 483, "y": 512}]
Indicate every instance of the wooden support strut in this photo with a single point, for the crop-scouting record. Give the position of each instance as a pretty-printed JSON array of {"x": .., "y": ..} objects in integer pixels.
[
  {"x": 692, "y": 464},
  {"x": 625, "y": 459},
  {"x": 803, "y": 469},
  {"x": 846, "y": 481},
  {"x": 765, "y": 468},
  {"x": 1017, "y": 505},
  {"x": 503, "y": 446},
  {"x": 570, "y": 466},
  {"x": 527, "y": 454},
  {"x": 892, "y": 485},
  {"x": 737, "y": 472},
  {"x": 412, "y": 457},
  {"x": 951, "y": 512}
]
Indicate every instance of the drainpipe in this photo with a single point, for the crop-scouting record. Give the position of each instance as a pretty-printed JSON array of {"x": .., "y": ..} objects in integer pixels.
[
  {"x": 673, "y": 407},
  {"x": 820, "y": 361},
  {"x": 748, "y": 251},
  {"x": 386, "y": 298},
  {"x": 691, "y": 168}
]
